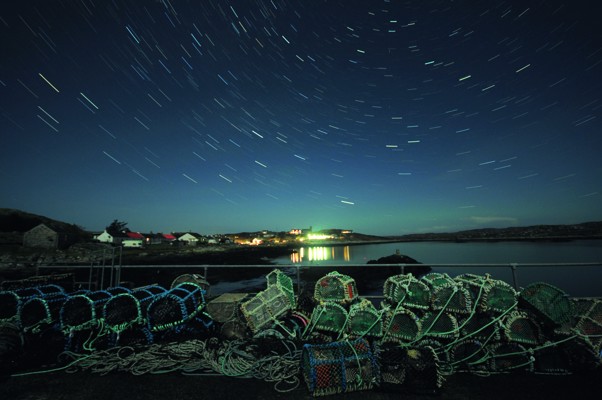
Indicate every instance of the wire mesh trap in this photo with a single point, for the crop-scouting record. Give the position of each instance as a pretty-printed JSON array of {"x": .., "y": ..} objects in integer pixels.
[
  {"x": 41, "y": 310},
  {"x": 440, "y": 325},
  {"x": 510, "y": 357},
  {"x": 284, "y": 283},
  {"x": 550, "y": 303},
  {"x": 408, "y": 291},
  {"x": 490, "y": 295},
  {"x": 401, "y": 325},
  {"x": 335, "y": 287},
  {"x": 80, "y": 312},
  {"x": 174, "y": 308},
  {"x": 364, "y": 320},
  {"x": 9, "y": 306},
  {"x": 339, "y": 367},
  {"x": 265, "y": 307},
  {"x": 329, "y": 317},
  {"x": 518, "y": 327},
  {"x": 451, "y": 297},
  {"x": 226, "y": 307}
]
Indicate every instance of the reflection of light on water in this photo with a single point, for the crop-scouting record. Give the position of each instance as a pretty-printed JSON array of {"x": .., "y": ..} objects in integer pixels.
[{"x": 319, "y": 253}]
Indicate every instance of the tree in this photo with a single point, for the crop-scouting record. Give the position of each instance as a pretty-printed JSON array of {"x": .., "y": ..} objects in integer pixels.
[{"x": 117, "y": 227}]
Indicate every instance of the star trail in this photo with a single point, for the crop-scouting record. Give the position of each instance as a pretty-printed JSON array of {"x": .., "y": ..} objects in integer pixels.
[{"x": 385, "y": 117}]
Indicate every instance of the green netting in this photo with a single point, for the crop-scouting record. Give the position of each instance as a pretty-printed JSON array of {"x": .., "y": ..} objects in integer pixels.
[
  {"x": 329, "y": 316},
  {"x": 265, "y": 307},
  {"x": 508, "y": 357},
  {"x": 408, "y": 290},
  {"x": 440, "y": 325},
  {"x": 435, "y": 279},
  {"x": 518, "y": 327},
  {"x": 451, "y": 297},
  {"x": 480, "y": 326},
  {"x": 122, "y": 311},
  {"x": 175, "y": 307},
  {"x": 364, "y": 320},
  {"x": 490, "y": 294},
  {"x": 285, "y": 283},
  {"x": 401, "y": 325},
  {"x": 335, "y": 287},
  {"x": 78, "y": 313},
  {"x": 41, "y": 310},
  {"x": 467, "y": 355},
  {"x": 549, "y": 302},
  {"x": 339, "y": 367}
]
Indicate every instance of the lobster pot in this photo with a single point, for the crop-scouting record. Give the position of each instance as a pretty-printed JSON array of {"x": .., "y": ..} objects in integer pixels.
[
  {"x": 225, "y": 307},
  {"x": 121, "y": 311},
  {"x": 440, "y": 325},
  {"x": 436, "y": 279},
  {"x": 339, "y": 367},
  {"x": 492, "y": 295},
  {"x": 364, "y": 320},
  {"x": 115, "y": 290},
  {"x": 548, "y": 302},
  {"x": 147, "y": 294},
  {"x": 582, "y": 354},
  {"x": 509, "y": 357},
  {"x": 520, "y": 328},
  {"x": 9, "y": 305},
  {"x": 138, "y": 336},
  {"x": 468, "y": 355},
  {"x": 451, "y": 297},
  {"x": 392, "y": 368},
  {"x": 265, "y": 307},
  {"x": 175, "y": 307},
  {"x": 422, "y": 369},
  {"x": 41, "y": 310},
  {"x": 284, "y": 283},
  {"x": 408, "y": 290},
  {"x": 335, "y": 287},
  {"x": 592, "y": 330},
  {"x": 402, "y": 325},
  {"x": 197, "y": 279},
  {"x": 78, "y": 313},
  {"x": 330, "y": 317},
  {"x": 482, "y": 327}
]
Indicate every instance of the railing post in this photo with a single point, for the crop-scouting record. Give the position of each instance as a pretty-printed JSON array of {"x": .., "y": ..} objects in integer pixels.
[
  {"x": 298, "y": 280},
  {"x": 514, "y": 281}
]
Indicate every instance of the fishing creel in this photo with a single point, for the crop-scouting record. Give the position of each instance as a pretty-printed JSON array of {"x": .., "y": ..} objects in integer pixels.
[
  {"x": 401, "y": 325},
  {"x": 329, "y": 317},
  {"x": 174, "y": 308},
  {"x": 38, "y": 311},
  {"x": 335, "y": 287},
  {"x": 129, "y": 308},
  {"x": 490, "y": 295},
  {"x": 440, "y": 325},
  {"x": 265, "y": 307},
  {"x": 408, "y": 291},
  {"x": 81, "y": 311},
  {"x": 364, "y": 320},
  {"x": 521, "y": 327},
  {"x": 548, "y": 302},
  {"x": 284, "y": 283},
  {"x": 451, "y": 297},
  {"x": 339, "y": 367}
]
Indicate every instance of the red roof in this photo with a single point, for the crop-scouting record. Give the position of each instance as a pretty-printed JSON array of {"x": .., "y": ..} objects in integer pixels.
[
  {"x": 169, "y": 236},
  {"x": 134, "y": 235}
]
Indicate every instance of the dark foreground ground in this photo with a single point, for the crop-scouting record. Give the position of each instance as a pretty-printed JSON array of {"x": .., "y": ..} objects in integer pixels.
[{"x": 120, "y": 386}]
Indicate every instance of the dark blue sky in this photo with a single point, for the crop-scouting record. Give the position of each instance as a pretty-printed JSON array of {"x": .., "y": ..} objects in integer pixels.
[{"x": 384, "y": 117}]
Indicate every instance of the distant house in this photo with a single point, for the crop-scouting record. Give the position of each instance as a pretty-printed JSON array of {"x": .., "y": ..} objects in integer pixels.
[
  {"x": 169, "y": 237},
  {"x": 189, "y": 238},
  {"x": 132, "y": 242},
  {"x": 46, "y": 237},
  {"x": 135, "y": 235},
  {"x": 107, "y": 237}
]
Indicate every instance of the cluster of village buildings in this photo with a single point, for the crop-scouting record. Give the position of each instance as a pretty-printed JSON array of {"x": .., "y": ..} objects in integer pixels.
[{"x": 137, "y": 239}]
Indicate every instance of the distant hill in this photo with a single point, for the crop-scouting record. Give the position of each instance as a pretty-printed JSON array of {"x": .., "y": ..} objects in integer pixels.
[
  {"x": 586, "y": 230},
  {"x": 12, "y": 220}
]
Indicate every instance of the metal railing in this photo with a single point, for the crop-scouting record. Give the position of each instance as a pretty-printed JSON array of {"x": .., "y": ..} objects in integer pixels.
[{"x": 115, "y": 268}]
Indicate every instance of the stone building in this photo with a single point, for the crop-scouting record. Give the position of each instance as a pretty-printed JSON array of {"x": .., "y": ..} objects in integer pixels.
[{"x": 45, "y": 237}]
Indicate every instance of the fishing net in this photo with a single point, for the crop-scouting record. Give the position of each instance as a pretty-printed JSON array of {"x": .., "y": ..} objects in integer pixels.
[
  {"x": 508, "y": 357},
  {"x": 80, "y": 312},
  {"x": 225, "y": 307},
  {"x": 174, "y": 308},
  {"x": 451, "y": 297},
  {"x": 339, "y": 367},
  {"x": 480, "y": 326},
  {"x": 364, "y": 320},
  {"x": 41, "y": 310},
  {"x": 521, "y": 328},
  {"x": 550, "y": 303},
  {"x": 401, "y": 325},
  {"x": 408, "y": 290},
  {"x": 265, "y": 307},
  {"x": 490, "y": 294},
  {"x": 440, "y": 325},
  {"x": 284, "y": 283},
  {"x": 329, "y": 316},
  {"x": 335, "y": 287}
]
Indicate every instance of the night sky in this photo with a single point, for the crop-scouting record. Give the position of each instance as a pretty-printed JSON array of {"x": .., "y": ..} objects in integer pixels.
[{"x": 385, "y": 117}]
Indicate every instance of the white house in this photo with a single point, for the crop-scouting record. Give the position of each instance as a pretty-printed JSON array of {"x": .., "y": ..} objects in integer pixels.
[
  {"x": 189, "y": 239},
  {"x": 106, "y": 237},
  {"x": 132, "y": 242}
]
